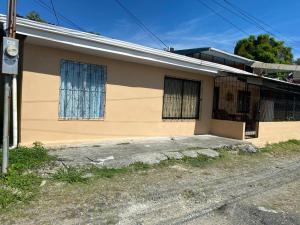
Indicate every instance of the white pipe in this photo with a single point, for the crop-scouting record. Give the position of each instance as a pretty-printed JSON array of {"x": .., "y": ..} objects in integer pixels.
[{"x": 15, "y": 111}]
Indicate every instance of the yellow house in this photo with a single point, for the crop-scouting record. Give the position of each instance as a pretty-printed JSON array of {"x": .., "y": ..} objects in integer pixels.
[{"x": 79, "y": 87}]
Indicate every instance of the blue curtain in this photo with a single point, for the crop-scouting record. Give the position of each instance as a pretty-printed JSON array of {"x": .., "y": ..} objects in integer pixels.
[{"x": 82, "y": 90}]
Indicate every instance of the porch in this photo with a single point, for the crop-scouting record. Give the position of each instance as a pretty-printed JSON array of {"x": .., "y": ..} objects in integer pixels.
[{"x": 244, "y": 106}]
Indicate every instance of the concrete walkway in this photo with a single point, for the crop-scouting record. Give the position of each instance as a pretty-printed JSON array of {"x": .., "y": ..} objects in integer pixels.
[{"x": 147, "y": 150}]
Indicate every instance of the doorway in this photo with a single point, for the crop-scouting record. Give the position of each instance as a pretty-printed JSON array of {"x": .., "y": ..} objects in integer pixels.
[{"x": 252, "y": 115}]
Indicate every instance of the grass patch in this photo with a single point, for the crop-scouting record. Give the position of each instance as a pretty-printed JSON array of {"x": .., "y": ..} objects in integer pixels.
[
  {"x": 78, "y": 175},
  {"x": 23, "y": 158},
  {"x": 70, "y": 175},
  {"x": 21, "y": 183},
  {"x": 201, "y": 160},
  {"x": 111, "y": 172},
  {"x": 107, "y": 172},
  {"x": 17, "y": 187},
  {"x": 282, "y": 147}
]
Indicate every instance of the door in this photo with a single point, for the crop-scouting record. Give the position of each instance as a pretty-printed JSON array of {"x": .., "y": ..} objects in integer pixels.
[{"x": 251, "y": 115}]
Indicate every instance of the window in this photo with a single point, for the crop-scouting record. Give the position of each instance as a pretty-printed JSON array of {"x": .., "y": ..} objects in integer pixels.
[
  {"x": 82, "y": 90},
  {"x": 216, "y": 98},
  {"x": 243, "y": 101},
  {"x": 181, "y": 99}
]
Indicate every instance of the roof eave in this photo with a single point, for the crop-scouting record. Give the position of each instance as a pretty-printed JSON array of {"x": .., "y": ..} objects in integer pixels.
[{"x": 65, "y": 36}]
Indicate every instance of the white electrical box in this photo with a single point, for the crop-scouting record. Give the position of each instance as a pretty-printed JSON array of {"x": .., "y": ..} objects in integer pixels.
[{"x": 10, "y": 56}]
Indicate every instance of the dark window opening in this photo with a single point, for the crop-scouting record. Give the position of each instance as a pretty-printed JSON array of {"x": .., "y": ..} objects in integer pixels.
[
  {"x": 181, "y": 99},
  {"x": 277, "y": 105},
  {"x": 243, "y": 102},
  {"x": 216, "y": 98}
]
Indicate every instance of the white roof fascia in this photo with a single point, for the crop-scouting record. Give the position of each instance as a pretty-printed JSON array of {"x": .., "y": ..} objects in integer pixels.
[
  {"x": 250, "y": 61},
  {"x": 80, "y": 39}
]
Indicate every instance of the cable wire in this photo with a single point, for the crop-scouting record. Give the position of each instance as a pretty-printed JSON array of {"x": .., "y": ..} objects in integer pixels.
[
  {"x": 54, "y": 12},
  {"x": 222, "y": 17},
  {"x": 46, "y": 6},
  {"x": 244, "y": 17},
  {"x": 251, "y": 19},
  {"x": 139, "y": 22},
  {"x": 257, "y": 20}
]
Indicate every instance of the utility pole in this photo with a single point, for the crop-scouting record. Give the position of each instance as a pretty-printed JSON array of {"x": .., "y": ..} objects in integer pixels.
[{"x": 9, "y": 63}]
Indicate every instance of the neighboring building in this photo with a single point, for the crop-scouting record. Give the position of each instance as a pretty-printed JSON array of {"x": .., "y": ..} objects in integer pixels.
[
  {"x": 80, "y": 87},
  {"x": 252, "y": 66},
  {"x": 218, "y": 56}
]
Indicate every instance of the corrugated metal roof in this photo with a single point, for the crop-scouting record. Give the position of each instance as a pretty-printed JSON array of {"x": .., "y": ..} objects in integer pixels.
[
  {"x": 276, "y": 67},
  {"x": 217, "y": 53}
]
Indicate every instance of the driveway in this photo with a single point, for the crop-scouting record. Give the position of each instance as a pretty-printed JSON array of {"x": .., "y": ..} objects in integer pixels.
[
  {"x": 123, "y": 153},
  {"x": 236, "y": 189}
]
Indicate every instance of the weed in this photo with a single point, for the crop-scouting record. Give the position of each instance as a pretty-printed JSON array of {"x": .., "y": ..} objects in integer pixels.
[
  {"x": 187, "y": 194},
  {"x": 138, "y": 166},
  {"x": 7, "y": 197},
  {"x": 281, "y": 147},
  {"x": 16, "y": 187},
  {"x": 107, "y": 172},
  {"x": 111, "y": 172},
  {"x": 70, "y": 175},
  {"x": 21, "y": 183},
  {"x": 23, "y": 158},
  {"x": 199, "y": 161}
]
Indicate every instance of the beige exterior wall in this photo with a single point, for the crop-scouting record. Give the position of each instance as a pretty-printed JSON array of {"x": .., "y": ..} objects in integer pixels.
[
  {"x": 273, "y": 132},
  {"x": 134, "y": 99},
  {"x": 229, "y": 129}
]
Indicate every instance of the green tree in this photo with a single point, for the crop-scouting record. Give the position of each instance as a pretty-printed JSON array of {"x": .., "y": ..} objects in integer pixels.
[
  {"x": 297, "y": 61},
  {"x": 264, "y": 48},
  {"x": 33, "y": 15}
]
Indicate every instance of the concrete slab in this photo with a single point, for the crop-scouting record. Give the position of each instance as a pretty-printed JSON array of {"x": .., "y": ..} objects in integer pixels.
[
  {"x": 149, "y": 158},
  {"x": 208, "y": 152},
  {"x": 122, "y": 153},
  {"x": 174, "y": 155},
  {"x": 190, "y": 153}
]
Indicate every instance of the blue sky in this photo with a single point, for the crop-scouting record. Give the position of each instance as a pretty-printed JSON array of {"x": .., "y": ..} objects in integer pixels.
[{"x": 181, "y": 24}]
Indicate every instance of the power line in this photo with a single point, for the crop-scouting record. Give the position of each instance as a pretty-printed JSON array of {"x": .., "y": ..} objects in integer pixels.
[
  {"x": 243, "y": 17},
  {"x": 246, "y": 14},
  {"x": 257, "y": 20},
  {"x": 54, "y": 11},
  {"x": 250, "y": 19},
  {"x": 222, "y": 17},
  {"x": 49, "y": 8},
  {"x": 139, "y": 22}
]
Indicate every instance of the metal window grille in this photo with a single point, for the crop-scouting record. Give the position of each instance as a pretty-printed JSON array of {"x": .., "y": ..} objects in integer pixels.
[
  {"x": 181, "y": 99},
  {"x": 278, "y": 105},
  {"x": 82, "y": 90},
  {"x": 227, "y": 103},
  {"x": 243, "y": 101},
  {"x": 237, "y": 100}
]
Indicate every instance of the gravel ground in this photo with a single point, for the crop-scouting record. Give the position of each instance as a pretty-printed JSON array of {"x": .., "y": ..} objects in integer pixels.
[{"x": 259, "y": 189}]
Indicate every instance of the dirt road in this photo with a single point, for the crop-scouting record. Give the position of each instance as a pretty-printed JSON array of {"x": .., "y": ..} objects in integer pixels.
[{"x": 241, "y": 189}]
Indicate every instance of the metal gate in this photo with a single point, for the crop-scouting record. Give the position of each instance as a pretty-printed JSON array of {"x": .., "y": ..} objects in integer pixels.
[
  {"x": 236, "y": 99},
  {"x": 252, "y": 115}
]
